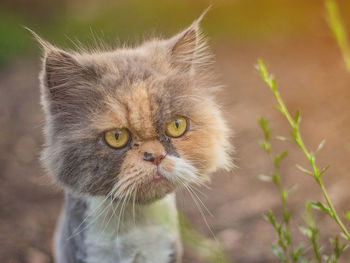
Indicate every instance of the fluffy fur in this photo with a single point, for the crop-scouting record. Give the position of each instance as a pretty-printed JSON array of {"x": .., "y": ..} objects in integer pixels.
[{"x": 85, "y": 93}]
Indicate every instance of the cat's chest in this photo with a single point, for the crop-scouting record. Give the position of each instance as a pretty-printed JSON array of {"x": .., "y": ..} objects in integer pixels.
[
  {"x": 147, "y": 240},
  {"x": 140, "y": 245}
]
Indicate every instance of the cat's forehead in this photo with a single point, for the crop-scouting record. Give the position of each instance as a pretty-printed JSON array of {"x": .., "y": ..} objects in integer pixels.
[
  {"x": 131, "y": 64},
  {"x": 144, "y": 106},
  {"x": 142, "y": 92}
]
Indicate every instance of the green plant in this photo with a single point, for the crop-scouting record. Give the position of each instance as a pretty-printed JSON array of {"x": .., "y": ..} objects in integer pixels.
[
  {"x": 338, "y": 29},
  {"x": 206, "y": 248},
  {"x": 288, "y": 253}
]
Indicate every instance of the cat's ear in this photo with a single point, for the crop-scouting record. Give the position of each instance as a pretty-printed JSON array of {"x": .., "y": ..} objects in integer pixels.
[
  {"x": 62, "y": 72},
  {"x": 188, "y": 47}
]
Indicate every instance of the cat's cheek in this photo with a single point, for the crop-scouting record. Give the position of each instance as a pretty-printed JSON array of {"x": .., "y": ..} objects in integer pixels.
[
  {"x": 133, "y": 167},
  {"x": 168, "y": 165},
  {"x": 198, "y": 147}
]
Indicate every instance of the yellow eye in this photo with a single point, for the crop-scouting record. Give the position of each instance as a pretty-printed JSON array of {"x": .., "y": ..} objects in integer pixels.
[
  {"x": 117, "y": 138},
  {"x": 176, "y": 127}
]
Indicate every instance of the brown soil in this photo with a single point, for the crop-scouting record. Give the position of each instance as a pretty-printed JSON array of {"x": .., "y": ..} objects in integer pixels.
[{"x": 310, "y": 75}]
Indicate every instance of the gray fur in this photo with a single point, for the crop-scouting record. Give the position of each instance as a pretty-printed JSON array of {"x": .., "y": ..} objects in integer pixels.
[{"x": 69, "y": 243}]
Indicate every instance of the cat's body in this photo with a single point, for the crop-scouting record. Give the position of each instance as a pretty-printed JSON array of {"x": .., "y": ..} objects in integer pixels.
[
  {"x": 151, "y": 238},
  {"x": 124, "y": 129}
]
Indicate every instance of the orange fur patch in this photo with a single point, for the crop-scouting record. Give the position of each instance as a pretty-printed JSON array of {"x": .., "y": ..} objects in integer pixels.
[
  {"x": 168, "y": 164},
  {"x": 132, "y": 110},
  {"x": 203, "y": 143},
  {"x": 140, "y": 112}
]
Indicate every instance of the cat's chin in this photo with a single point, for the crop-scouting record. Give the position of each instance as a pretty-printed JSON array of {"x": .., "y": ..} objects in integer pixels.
[{"x": 155, "y": 190}]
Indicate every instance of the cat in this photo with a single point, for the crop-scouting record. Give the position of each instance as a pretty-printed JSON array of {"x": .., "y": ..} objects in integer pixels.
[{"x": 124, "y": 129}]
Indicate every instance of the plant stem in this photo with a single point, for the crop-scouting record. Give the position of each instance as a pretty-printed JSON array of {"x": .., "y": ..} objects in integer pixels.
[
  {"x": 283, "y": 229},
  {"x": 334, "y": 213},
  {"x": 294, "y": 123}
]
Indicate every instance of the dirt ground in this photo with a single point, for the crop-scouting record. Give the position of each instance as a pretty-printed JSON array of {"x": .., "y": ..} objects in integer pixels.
[{"x": 311, "y": 76}]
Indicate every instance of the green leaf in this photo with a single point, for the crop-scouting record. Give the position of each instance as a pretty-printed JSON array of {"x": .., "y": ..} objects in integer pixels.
[
  {"x": 273, "y": 84},
  {"x": 292, "y": 132},
  {"x": 286, "y": 216},
  {"x": 265, "y": 75},
  {"x": 287, "y": 237},
  {"x": 347, "y": 216},
  {"x": 264, "y": 124},
  {"x": 271, "y": 218},
  {"x": 309, "y": 220},
  {"x": 277, "y": 252},
  {"x": 305, "y": 171},
  {"x": 297, "y": 253},
  {"x": 338, "y": 250},
  {"x": 324, "y": 170},
  {"x": 321, "y": 207},
  {"x": 278, "y": 108},
  {"x": 275, "y": 179},
  {"x": 280, "y": 157},
  {"x": 297, "y": 118},
  {"x": 266, "y": 146}
]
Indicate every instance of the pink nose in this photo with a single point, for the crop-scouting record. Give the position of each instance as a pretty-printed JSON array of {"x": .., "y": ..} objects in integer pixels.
[
  {"x": 154, "y": 158},
  {"x": 158, "y": 158}
]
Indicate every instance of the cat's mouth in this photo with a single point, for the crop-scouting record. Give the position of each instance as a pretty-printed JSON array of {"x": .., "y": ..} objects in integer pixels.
[
  {"x": 156, "y": 188},
  {"x": 156, "y": 181},
  {"x": 158, "y": 178},
  {"x": 158, "y": 175}
]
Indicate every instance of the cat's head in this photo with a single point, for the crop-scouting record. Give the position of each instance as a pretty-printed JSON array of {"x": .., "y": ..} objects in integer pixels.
[{"x": 138, "y": 122}]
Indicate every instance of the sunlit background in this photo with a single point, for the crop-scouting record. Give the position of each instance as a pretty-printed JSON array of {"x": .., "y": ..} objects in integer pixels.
[{"x": 292, "y": 37}]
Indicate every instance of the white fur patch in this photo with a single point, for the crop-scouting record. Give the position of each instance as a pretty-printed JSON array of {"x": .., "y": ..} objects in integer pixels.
[
  {"x": 183, "y": 172},
  {"x": 150, "y": 239}
]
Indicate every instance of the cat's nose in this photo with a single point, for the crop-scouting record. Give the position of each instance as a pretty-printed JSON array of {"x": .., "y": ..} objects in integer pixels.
[
  {"x": 148, "y": 157},
  {"x": 155, "y": 159}
]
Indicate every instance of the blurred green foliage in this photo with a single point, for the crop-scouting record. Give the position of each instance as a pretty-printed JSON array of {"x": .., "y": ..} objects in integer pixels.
[
  {"x": 130, "y": 21},
  {"x": 339, "y": 32},
  {"x": 288, "y": 254},
  {"x": 207, "y": 249}
]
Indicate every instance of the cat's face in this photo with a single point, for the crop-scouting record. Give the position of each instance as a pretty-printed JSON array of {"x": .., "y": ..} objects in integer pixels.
[{"x": 132, "y": 123}]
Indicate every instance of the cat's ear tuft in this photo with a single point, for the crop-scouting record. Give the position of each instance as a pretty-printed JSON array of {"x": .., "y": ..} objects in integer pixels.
[
  {"x": 45, "y": 45},
  {"x": 58, "y": 65},
  {"x": 187, "y": 48},
  {"x": 62, "y": 72}
]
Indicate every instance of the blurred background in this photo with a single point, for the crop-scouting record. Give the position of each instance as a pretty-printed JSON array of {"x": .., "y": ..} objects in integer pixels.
[{"x": 293, "y": 39}]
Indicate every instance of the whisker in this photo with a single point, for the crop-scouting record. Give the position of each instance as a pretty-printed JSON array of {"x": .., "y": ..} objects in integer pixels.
[
  {"x": 201, "y": 212},
  {"x": 110, "y": 217},
  {"x": 75, "y": 233},
  {"x": 119, "y": 218},
  {"x": 122, "y": 208},
  {"x": 112, "y": 192},
  {"x": 195, "y": 194},
  {"x": 197, "y": 204},
  {"x": 133, "y": 206}
]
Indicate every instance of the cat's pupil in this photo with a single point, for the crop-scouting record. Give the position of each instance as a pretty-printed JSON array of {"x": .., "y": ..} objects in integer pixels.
[
  {"x": 116, "y": 135},
  {"x": 177, "y": 124}
]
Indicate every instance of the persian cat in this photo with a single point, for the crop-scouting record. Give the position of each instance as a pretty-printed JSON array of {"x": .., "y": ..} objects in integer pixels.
[{"x": 125, "y": 128}]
